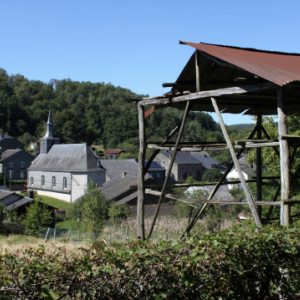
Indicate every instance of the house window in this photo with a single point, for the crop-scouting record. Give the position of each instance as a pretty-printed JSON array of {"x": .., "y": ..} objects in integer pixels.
[
  {"x": 192, "y": 168},
  {"x": 43, "y": 180},
  {"x": 53, "y": 181},
  {"x": 31, "y": 180},
  {"x": 11, "y": 164},
  {"x": 11, "y": 174},
  {"x": 22, "y": 175},
  {"x": 22, "y": 165},
  {"x": 158, "y": 175},
  {"x": 182, "y": 168},
  {"x": 65, "y": 182}
]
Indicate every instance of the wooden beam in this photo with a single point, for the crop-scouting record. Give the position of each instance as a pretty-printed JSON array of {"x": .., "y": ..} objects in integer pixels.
[
  {"x": 258, "y": 165},
  {"x": 187, "y": 108},
  {"x": 207, "y": 94},
  {"x": 284, "y": 157},
  {"x": 141, "y": 176},
  {"x": 268, "y": 137},
  {"x": 197, "y": 70},
  {"x": 237, "y": 165}
]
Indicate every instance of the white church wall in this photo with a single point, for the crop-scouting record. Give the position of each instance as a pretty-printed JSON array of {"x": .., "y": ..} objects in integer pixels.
[
  {"x": 232, "y": 176},
  {"x": 56, "y": 195},
  {"x": 79, "y": 182}
]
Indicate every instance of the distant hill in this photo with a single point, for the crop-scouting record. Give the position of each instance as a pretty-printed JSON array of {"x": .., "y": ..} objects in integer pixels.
[{"x": 240, "y": 126}]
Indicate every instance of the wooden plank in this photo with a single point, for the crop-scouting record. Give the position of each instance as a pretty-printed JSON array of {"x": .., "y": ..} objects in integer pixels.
[
  {"x": 290, "y": 138},
  {"x": 141, "y": 177},
  {"x": 208, "y": 94},
  {"x": 187, "y": 108},
  {"x": 237, "y": 165},
  {"x": 284, "y": 157}
]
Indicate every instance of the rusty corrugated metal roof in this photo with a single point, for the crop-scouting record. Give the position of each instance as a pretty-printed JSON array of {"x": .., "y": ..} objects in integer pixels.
[{"x": 277, "y": 67}]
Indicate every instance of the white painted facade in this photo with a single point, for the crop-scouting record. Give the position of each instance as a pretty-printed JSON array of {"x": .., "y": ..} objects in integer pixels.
[{"x": 233, "y": 176}]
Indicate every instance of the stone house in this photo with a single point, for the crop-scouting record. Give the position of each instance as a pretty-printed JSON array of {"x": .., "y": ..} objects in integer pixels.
[
  {"x": 14, "y": 163},
  {"x": 184, "y": 165},
  {"x": 207, "y": 161},
  {"x": 9, "y": 142}
]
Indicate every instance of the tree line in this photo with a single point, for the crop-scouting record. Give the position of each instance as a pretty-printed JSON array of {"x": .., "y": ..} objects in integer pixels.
[{"x": 94, "y": 113}]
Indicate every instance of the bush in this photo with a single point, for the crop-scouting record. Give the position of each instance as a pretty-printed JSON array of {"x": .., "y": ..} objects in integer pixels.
[{"x": 243, "y": 263}]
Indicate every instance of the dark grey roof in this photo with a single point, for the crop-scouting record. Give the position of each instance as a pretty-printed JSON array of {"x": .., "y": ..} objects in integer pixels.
[
  {"x": 221, "y": 194},
  {"x": 181, "y": 158},
  {"x": 68, "y": 158},
  {"x": 245, "y": 166},
  {"x": 18, "y": 203},
  {"x": 206, "y": 160},
  {"x": 119, "y": 187},
  {"x": 5, "y": 136},
  {"x": 155, "y": 166},
  {"x": 4, "y": 194},
  {"x": 115, "y": 167},
  {"x": 7, "y": 153}
]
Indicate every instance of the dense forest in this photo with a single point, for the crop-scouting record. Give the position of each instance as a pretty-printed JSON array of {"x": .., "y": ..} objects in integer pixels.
[{"x": 95, "y": 113}]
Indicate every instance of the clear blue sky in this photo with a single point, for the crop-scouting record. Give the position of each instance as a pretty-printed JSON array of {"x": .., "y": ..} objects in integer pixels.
[{"x": 134, "y": 44}]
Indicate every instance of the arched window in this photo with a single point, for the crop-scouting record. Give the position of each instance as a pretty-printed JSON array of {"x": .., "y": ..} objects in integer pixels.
[
  {"x": 43, "y": 180},
  {"x": 31, "y": 180},
  {"x": 53, "y": 181},
  {"x": 65, "y": 182}
]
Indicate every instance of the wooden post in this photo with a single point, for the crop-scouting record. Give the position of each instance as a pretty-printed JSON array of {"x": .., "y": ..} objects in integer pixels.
[
  {"x": 237, "y": 165},
  {"x": 54, "y": 234},
  {"x": 197, "y": 66},
  {"x": 258, "y": 167},
  {"x": 46, "y": 236},
  {"x": 284, "y": 157},
  {"x": 141, "y": 172},
  {"x": 187, "y": 108}
]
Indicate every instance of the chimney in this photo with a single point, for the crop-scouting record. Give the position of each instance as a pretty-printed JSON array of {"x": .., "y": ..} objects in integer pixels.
[{"x": 124, "y": 174}]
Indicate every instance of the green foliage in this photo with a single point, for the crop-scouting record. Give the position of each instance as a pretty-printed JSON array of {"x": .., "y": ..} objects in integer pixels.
[
  {"x": 71, "y": 225},
  {"x": 238, "y": 194},
  {"x": 241, "y": 263},
  {"x": 212, "y": 175},
  {"x": 36, "y": 216},
  {"x": 95, "y": 208},
  {"x": 119, "y": 211}
]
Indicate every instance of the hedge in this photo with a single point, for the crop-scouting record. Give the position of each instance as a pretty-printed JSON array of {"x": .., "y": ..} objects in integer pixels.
[{"x": 239, "y": 263}]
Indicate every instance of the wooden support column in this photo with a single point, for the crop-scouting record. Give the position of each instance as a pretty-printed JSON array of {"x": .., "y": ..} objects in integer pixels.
[
  {"x": 197, "y": 66},
  {"x": 187, "y": 108},
  {"x": 237, "y": 165},
  {"x": 258, "y": 167},
  {"x": 284, "y": 157},
  {"x": 141, "y": 176}
]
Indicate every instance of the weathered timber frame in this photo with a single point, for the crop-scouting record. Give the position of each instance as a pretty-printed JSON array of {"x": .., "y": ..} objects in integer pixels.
[{"x": 225, "y": 97}]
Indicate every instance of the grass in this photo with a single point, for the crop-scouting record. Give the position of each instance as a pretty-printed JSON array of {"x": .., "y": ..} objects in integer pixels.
[{"x": 59, "y": 204}]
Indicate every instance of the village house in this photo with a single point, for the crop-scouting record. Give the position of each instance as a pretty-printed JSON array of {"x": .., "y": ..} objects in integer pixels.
[
  {"x": 9, "y": 142},
  {"x": 184, "y": 165},
  {"x": 113, "y": 153},
  {"x": 63, "y": 171},
  {"x": 14, "y": 163},
  {"x": 207, "y": 161}
]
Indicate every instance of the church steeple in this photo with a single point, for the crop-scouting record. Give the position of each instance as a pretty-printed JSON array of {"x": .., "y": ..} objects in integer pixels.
[
  {"x": 49, "y": 139},
  {"x": 49, "y": 130}
]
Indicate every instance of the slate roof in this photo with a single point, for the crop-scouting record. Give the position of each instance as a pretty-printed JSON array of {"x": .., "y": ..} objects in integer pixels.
[
  {"x": 155, "y": 166},
  {"x": 4, "y": 194},
  {"x": 5, "y": 136},
  {"x": 7, "y": 153},
  {"x": 221, "y": 194},
  {"x": 115, "y": 167},
  {"x": 182, "y": 158},
  {"x": 67, "y": 158},
  {"x": 18, "y": 203},
  {"x": 119, "y": 187},
  {"x": 206, "y": 160}
]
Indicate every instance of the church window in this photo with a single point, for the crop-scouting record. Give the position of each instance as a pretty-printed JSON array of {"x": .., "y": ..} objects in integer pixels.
[
  {"x": 31, "y": 180},
  {"x": 43, "y": 180},
  {"x": 65, "y": 182},
  {"x": 53, "y": 181}
]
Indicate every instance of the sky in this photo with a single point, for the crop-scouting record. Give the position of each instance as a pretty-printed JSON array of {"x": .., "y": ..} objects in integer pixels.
[{"x": 134, "y": 43}]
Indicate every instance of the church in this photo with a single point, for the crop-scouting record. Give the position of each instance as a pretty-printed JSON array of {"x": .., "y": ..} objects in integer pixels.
[{"x": 62, "y": 171}]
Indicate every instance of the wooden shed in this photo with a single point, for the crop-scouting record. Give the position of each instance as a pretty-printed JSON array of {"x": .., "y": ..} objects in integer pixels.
[{"x": 234, "y": 80}]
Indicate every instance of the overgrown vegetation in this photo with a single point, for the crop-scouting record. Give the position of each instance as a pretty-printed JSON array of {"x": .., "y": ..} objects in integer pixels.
[{"x": 239, "y": 263}]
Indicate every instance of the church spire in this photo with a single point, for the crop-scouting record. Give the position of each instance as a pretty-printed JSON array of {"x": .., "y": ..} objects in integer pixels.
[
  {"x": 49, "y": 139},
  {"x": 49, "y": 130}
]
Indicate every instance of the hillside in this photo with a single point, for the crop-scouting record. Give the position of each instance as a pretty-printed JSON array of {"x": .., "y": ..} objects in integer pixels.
[{"x": 95, "y": 113}]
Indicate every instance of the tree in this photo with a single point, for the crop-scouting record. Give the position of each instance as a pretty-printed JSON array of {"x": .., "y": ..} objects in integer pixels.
[
  {"x": 36, "y": 216},
  {"x": 119, "y": 211},
  {"x": 95, "y": 208},
  {"x": 212, "y": 175}
]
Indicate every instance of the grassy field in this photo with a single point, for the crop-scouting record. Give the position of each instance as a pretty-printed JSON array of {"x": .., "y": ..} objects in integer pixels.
[{"x": 59, "y": 204}]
